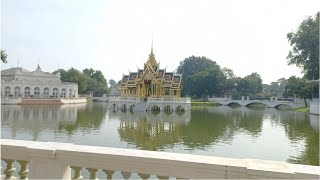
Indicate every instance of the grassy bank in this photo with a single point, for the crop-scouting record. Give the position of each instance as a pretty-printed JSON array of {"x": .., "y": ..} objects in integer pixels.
[
  {"x": 302, "y": 109},
  {"x": 203, "y": 103}
]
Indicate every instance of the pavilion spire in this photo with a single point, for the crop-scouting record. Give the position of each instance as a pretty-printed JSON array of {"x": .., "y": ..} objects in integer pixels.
[{"x": 152, "y": 44}]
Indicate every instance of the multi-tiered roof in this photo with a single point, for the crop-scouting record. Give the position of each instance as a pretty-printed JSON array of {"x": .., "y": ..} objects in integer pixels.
[{"x": 152, "y": 74}]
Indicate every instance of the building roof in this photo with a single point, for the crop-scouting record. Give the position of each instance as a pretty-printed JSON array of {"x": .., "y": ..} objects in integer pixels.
[
  {"x": 12, "y": 71},
  {"x": 22, "y": 71}
]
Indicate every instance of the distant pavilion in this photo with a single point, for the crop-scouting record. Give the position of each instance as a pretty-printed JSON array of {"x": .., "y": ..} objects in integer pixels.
[{"x": 151, "y": 81}]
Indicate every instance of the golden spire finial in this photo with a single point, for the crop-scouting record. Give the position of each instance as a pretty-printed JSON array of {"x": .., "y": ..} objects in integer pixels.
[{"x": 152, "y": 44}]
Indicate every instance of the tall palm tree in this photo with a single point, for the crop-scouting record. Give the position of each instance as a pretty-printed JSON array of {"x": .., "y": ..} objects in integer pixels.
[{"x": 3, "y": 56}]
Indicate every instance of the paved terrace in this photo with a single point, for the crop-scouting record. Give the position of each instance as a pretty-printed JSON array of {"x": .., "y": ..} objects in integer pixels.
[{"x": 52, "y": 160}]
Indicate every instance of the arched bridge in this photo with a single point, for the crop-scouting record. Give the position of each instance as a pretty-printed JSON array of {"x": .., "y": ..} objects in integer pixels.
[{"x": 298, "y": 103}]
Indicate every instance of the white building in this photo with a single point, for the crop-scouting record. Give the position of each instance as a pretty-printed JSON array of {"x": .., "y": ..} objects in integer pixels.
[{"x": 19, "y": 82}]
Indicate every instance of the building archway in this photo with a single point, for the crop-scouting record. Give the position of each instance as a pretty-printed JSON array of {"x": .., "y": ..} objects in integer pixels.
[
  {"x": 70, "y": 93},
  {"x": 55, "y": 92},
  {"x": 46, "y": 92},
  {"x": 17, "y": 91},
  {"x": 63, "y": 92},
  {"x": 37, "y": 92},
  {"x": 7, "y": 90},
  {"x": 27, "y": 92}
]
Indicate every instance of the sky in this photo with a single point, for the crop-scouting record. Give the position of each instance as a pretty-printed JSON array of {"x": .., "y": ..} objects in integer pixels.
[{"x": 115, "y": 36}]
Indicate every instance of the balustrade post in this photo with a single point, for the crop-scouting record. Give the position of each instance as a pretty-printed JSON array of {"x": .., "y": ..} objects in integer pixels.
[
  {"x": 126, "y": 175},
  {"x": 10, "y": 169},
  {"x": 77, "y": 172},
  {"x": 242, "y": 98},
  {"x": 109, "y": 173},
  {"x": 144, "y": 176},
  {"x": 24, "y": 169},
  {"x": 163, "y": 177},
  {"x": 93, "y": 173}
]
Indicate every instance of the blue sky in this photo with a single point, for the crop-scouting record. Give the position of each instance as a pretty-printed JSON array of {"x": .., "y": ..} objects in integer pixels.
[{"x": 115, "y": 36}]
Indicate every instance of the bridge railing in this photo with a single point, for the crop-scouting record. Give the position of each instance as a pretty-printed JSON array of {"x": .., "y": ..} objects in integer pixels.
[
  {"x": 220, "y": 99},
  {"x": 124, "y": 99},
  {"x": 170, "y": 100},
  {"x": 52, "y": 160}
]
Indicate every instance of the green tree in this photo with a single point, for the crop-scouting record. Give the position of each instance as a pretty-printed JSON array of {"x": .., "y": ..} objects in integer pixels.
[
  {"x": 282, "y": 85},
  {"x": 305, "y": 47},
  {"x": 274, "y": 88},
  {"x": 193, "y": 65},
  {"x": 249, "y": 85},
  {"x": 99, "y": 77},
  {"x": 112, "y": 83},
  {"x": 206, "y": 83},
  {"x": 228, "y": 73},
  {"x": 3, "y": 56},
  {"x": 298, "y": 87},
  {"x": 88, "y": 80},
  {"x": 88, "y": 72},
  {"x": 119, "y": 82},
  {"x": 95, "y": 74}
]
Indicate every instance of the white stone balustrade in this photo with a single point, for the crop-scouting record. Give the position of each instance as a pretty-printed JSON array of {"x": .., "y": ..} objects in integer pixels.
[
  {"x": 51, "y": 160},
  {"x": 170, "y": 100},
  {"x": 124, "y": 99}
]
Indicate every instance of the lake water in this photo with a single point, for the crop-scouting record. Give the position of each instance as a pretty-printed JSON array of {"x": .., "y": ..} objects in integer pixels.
[{"x": 242, "y": 132}]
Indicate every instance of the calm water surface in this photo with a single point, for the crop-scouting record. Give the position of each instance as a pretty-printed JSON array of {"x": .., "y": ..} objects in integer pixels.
[{"x": 216, "y": 131}]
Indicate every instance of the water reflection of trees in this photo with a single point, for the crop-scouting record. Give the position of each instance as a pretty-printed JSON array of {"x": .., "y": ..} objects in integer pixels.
[
  {"x": 88, "y": 119},
  {"x": 151, "y": 131},
  {"x": 301, "y": 127},
  {"x": 209, "y": 125}
]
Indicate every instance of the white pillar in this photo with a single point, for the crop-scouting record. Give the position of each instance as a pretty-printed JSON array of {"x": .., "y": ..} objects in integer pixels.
[
  {"x": 48, "y": 169},
  {"x": 242, "y": 98},
  {"x": 271, "y": 98},
  {"x": 248, "y": 98},
  {"x": 276, "y": 99}
]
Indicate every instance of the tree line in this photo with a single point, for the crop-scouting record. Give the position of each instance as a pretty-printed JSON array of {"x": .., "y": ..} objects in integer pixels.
[
  {"x": 203, "y": 78},
  {"x": 88, "y": 80}
]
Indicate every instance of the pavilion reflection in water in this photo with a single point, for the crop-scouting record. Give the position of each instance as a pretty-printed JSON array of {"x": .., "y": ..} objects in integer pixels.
[{"x": 151, "y": 131}]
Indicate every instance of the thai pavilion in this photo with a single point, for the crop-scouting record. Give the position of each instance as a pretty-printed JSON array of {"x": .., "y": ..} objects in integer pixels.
[{"x": 151, "y": 81}]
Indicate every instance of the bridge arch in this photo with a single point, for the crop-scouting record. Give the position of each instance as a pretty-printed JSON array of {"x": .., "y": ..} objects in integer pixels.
[
  {"x": 114, "y": 107},
  {"x": 281, "y": 104},
  {"x": 123, "y": 107},
  {"x": 251, "y": 103},
  {"x": 168, "y": 108},
  {"x": 180, "y": 108},
  {"x": 155, "y": 108},
  {"x": 233, "y": 103},
  {"x": 131, "y": 107}
]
